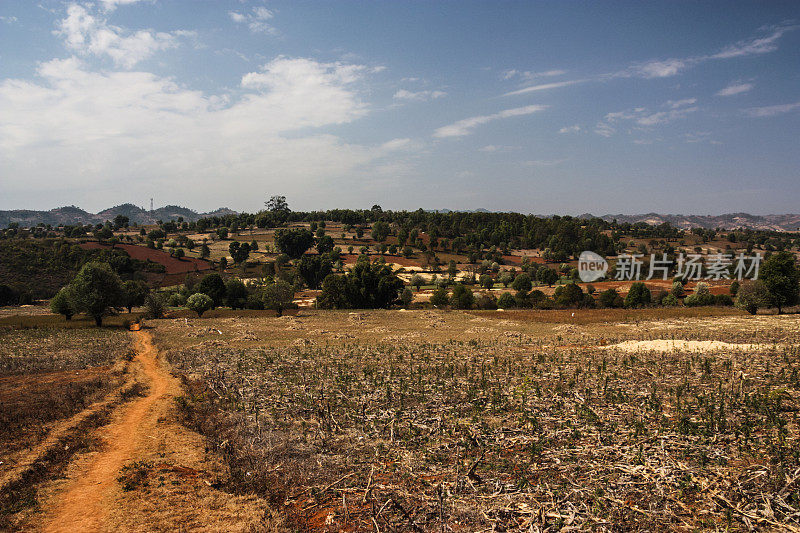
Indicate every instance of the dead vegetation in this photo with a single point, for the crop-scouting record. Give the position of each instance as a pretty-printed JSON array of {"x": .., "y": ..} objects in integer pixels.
[
  {"x": 55, "y": 387},
  {"x": 495, "y": 422}
]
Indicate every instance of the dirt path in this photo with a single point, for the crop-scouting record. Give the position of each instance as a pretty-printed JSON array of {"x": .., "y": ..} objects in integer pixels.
[{"x": 84, "y": 505}]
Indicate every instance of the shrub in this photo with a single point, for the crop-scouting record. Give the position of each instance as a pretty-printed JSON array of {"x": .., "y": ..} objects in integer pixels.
[
  {"x": 752, "y": 295},
  {"x": 235, "y": 293},
  {"x": 177, "y": 300},
  {"x": 670, "y": 301},
  {"x": 153, "y": 306},
  {"x": 61, "y": 303},
  {"x": 638, "y": 295},
  {"x": 568, "y": 295},
  {"x": 133, "y": 294},
  {"x": 407, "y": 296},
  {"x": 440, "y": 297},
  {"x": 723, "y": 299},
  {"x": 677, "y": 289},
  {"x": 214, "y": 287},
  {"x": 487, "y": 281},
  {"x": 487, "y": 302},
  {"x": 199, "y": 303},
  {"x": 522, "y": 283},
  {"x": 506, "y": 301},
  {"x": 782, "y": 279},
  {"x": 462, "y": 297},
  {"x": 278, "y": 296},
  {"x": 610, "y": 298}
]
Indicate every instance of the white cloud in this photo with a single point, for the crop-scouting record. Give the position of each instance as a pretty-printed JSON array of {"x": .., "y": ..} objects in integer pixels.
[
  {"x": 91, "y": 35},
  {"x": 97, "y": 130},
  {"x": 664, "y": 68},
  {"x": 644, "y": 118},
  {"x": 759, "y": 45},
  {"x": 111, "y": 5},
  {"x": 544, "y": 162},
  {"x": 256, "y": 20},
  {"x": 419, "y": 96},
  {"x": 570, "y": 129},
  {"x": 465, "y": 126},
  {"x": 492, "y": 148},
  {"x": 772, "y": 110},
  {"x": 8, "y": 20},
  {"x": 543, "y": 87},
  {"x": 528, "y": 75},
  {"x": 735, "y": 88}
]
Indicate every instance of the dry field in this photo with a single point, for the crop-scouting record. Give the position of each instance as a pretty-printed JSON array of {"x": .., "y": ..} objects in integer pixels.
[{"x": 500, "y": 421}]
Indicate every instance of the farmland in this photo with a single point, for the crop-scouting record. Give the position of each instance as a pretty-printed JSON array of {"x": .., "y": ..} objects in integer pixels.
[{"x": 478, "y": 421}]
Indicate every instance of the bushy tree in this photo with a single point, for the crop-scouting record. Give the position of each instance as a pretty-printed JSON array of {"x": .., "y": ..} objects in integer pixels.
[
  {"x": 522, "y": 283},
  {"x": 506, "y": 301},
  {"x": 407, "y": 296},
  {"x": 235, "y": 293},
  {"x": 506, "y": 278},
  {"x": 96, "y": 291},
  {"x": 752, "y": 295},
  {"x": 462, "y": 297},
  {"x": 278, "y": 296},
  {"x": 638, "y": 295},
  {"x": 294, "y": 243},
  {"x": 199, "y": 303},
  {"x": 610, "y": 298},
  {"x": 325, "y": 244},
  {"x": 487, "y": 281},
  {"x": 366, "y": 286},
  {"x": 677, "y": 289},
  {"x": 546, "y": 276},
  {"x": 782, "y": 279},
  {"x": 134, "y": 293},
  {"x": 380, "y": 230},
  {"x": 214, "y": 287},
  {"x": 153, "y": 306},
  {"x": 440, "y": 298},
  {"x": 314, "y": 269},
  {"x": 568, "y": 295},
  {"x": 61, "y": 303},
  {"x": 417, "y": 281}
]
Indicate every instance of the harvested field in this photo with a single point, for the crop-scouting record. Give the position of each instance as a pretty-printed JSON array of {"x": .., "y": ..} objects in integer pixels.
[
  {"x": 512, "y": 421},
  {"x": 143, "y": 253}
]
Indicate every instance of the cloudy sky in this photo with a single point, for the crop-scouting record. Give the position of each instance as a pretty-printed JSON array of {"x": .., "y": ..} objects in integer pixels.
[{"x": 538, "y": 107}]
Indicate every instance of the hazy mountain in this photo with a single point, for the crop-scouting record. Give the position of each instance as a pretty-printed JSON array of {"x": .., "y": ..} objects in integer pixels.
[
  {"x": 76, "y": 215},
  {"x": 789, "y": 222}
]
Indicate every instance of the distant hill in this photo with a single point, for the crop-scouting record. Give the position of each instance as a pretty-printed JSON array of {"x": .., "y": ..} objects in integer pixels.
[
  {"x": 75, "y": 215},
  {"x": 789, "y": 222}
]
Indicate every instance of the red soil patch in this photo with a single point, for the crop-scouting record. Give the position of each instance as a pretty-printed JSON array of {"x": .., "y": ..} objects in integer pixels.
[{"x": 142, "y": 253}]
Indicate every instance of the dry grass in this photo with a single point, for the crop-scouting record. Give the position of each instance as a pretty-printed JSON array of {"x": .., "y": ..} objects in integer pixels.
[{"x": 499, "y": 421}]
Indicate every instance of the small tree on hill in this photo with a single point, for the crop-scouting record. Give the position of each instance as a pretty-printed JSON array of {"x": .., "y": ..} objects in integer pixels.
[
  {"x": 780, "y": 275},
  {"x": 522, "y": 283},
  {"x": 61, "y": 303},
  {"x": 638, "y": 295},
  {"x": 294, "y": 243},
  {"x": 133, "y": 294},
  {"x": 752, "y": 295},
  {"x": 96, "y": 290},
  {"x": 406, "y": 297},
  {"x": 214, "y": 287},
  {"x": 417, "y": 281},
  {"x": 278, "y": 296},
  {"x": 199, "y": 303}
]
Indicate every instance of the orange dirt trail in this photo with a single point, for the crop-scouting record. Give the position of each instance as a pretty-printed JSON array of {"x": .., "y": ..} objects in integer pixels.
[{"x": 84, "y": 504}]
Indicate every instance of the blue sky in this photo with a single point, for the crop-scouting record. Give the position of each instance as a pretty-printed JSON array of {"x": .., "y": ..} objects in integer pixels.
[{"x": 537, "y": 107}]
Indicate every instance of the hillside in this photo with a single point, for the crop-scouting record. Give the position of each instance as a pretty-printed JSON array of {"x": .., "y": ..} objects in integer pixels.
[
  {"x": 788, "y": 222},
  {"x": 75, "y": 215}
]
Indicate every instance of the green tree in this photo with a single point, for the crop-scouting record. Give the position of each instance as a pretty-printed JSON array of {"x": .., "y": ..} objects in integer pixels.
[
  {"x": 522, "y": 283},
  {"x": 278, "y": 296},
  {"x": 406, "y": 297},
  {"x": 752, "y": 295},
  {"x": 487, "y": 281},
  {"x": 314, "y": 270},
  {"x": 610, "y": 298},
  {"x": 213, "y": 286},
  {"x": 205, "y": 251},
  {"x": 452, "y": 269},
  {"x": 506, "y": 301},
  {"x": 507, "y": 278},
  {"x": 61, "y": 303},
  {"x": 294, "y": 243},
  {"x": 380, "y": 230},
  {"x": 440, "y": 298},
  {"x": 546, "y": 276},
  {"x": 568, "y": 295},
  {"x": 462, "y": 297},
  {"x": 199, "y": 303},
  {"x": 235, "y": 293},
  {"x": 96, "y": 291},
  {"x": 780, "y": 275},
  {"x": 277, "y": 204},
  {"x": 134, "y": 293},
  {"x": 417, "y": 281},
  {"x": 638, "y": 295}
]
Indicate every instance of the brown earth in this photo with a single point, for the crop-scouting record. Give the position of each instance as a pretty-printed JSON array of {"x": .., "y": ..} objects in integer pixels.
[
  {"x": 151, "y": 474},
  {"x": 142, "y": 253}
]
